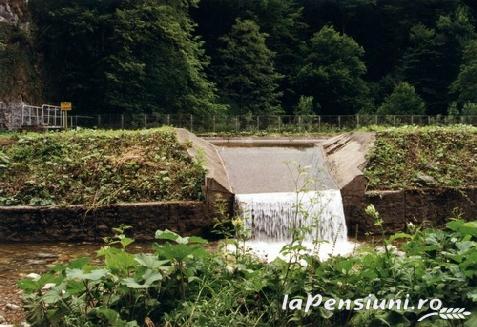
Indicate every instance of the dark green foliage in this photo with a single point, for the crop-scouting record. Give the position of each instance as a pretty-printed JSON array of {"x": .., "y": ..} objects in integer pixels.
[
  {"x": 97, "y": 168},
  {"x": 148, "y": 55},
  {"x": 431, "y": 63},
  {"x": 332, "y": 73},
  {"x": 403, "y": 101},
  {"x": 466, "y": 84},
  {"x": 282, "y": 20},
  {"x": 182, "y": 284},
  {"x": 245, "y": 74},
  {"x": 135, "y": 56}
]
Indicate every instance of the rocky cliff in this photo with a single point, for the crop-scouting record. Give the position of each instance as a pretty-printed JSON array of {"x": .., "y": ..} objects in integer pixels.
[{"x": 19, "y": 68}]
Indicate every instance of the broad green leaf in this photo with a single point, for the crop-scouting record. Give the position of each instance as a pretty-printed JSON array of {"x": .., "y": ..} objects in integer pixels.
[
  {"x": 180, "y": 251},
  {"x": 150, "y": 260},
  {"x": 74, "y": 287},
  {"x": 117, "y": 259},
  {"x": 132, "y": 283},
  {"x": 126, "y": 241},
  {"x": 399, "y": 236},
  {"x": 150, "y": 277},
  {"x": 79, "y": 274},
  {"x": 52, "y": 296},
  {"x": 166, "y": 235}
]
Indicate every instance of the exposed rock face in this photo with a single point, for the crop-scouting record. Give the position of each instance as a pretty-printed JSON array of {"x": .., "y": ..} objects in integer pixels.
[
  {"x": 10, "y": 115},
  {"x": 20, "y": 76},
  {"x": 13, "y": 11}
]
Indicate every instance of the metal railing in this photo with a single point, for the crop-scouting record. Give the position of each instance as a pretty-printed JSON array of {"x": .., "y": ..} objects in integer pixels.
[
  {"x": 48, "y": 116},
  {"x": 247, "y": 123}
]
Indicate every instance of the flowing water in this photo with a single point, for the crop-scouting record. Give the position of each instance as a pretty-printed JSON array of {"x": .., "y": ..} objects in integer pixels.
[
  {"x": 273, "y": 216},
  {"x": 265, "y": 180}
]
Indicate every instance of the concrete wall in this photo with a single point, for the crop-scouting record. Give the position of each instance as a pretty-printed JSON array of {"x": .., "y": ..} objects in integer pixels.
[
  {"x": 76, "y": 223},
  {"x": 432, "y": 206}
]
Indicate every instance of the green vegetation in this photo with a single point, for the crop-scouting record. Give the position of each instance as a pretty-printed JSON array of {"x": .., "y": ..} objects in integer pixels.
[
  {"x": 247, "y": 77},
  {"x": 412, "y": 157},
  {"x": 148, "y": 56},
  {"x": 97, "y": 167},
  {"x": 466, "y": 84},
  {"x": 126, "y": 56},
  {"x": 182, "y": 284},
  {"x": 333, "y": 74},
  {"x": 403, "y": 101},
  {"x": 431, "y": 62}
]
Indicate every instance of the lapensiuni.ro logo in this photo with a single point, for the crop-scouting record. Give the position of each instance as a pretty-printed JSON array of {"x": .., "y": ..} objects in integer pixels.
[{"x": 434, "y": 307}]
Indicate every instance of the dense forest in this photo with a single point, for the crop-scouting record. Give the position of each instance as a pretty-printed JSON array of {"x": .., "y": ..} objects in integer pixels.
[{"x": 262, "y": 57}]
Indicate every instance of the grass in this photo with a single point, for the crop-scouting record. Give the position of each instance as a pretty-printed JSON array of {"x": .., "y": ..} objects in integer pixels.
[
  {"x": 96, "y": 167},
  {"x": 412, "y": 157}
]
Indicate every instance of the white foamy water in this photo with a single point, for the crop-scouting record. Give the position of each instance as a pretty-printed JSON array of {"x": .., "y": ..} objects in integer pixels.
[
  {"x": 272, "y": 217},
  {"x": 271, "y": 250}
]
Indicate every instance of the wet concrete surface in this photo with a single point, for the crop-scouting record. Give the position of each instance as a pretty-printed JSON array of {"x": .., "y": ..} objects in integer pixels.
[{"x": 269, "y": 169}]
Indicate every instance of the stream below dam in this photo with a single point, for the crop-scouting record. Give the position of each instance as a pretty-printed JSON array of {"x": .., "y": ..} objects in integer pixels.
[{"x": 20, "y": 259}]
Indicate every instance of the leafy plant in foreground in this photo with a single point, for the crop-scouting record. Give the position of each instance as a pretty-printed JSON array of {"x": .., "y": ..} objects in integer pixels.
[{"x": 181, "y": 283}]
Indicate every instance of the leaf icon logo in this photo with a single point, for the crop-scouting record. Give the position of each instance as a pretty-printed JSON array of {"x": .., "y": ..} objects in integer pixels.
[{"x": 448, "y": 314}]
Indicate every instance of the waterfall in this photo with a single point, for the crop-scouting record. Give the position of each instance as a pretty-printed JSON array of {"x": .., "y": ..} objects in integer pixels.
[
  {"x": 271, "y": 218},
  {"x": 264, "y": 178}
]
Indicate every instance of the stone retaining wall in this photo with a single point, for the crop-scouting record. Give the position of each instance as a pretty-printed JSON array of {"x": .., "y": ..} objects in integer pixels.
[
  {"x": 10, "y": 116},
  {"x": 76, "y": 223},
  {"x": 431, "y": 206}
]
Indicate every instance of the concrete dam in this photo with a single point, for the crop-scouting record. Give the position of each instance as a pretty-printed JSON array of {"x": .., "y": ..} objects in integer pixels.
[{"x": 281, "y": 187}]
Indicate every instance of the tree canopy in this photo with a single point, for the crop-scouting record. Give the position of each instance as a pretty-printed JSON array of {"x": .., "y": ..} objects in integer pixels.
[
  {"x": 246, "y": 74},
  {"x": 465, "y": 86},
  {"x": 260, "y": 56},
  {"x": 403, "y": 101},
  {"x": 332, "y": 73}
]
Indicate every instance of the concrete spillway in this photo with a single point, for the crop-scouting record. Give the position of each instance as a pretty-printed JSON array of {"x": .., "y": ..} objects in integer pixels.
[
  {"x": 279, "y": 189},
  {"x": 271, "y": 169}
]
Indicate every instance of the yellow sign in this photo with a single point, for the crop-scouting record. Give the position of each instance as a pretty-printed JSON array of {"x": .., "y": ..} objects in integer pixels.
[{"x": 66, "y": 106}]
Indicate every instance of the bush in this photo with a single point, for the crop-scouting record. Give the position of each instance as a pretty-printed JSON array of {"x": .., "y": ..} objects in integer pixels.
[
  {"x": 182, "y": 284},
  {"x": 469, "y": 108},
  {"x": 403, "y": 101}
]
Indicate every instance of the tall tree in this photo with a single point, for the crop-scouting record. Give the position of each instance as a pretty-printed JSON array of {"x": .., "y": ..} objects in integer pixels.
[
  {"x": 156, "y": 64},
  {"x": 125, "y": 56},
  {"x": 403, "y": 101},
  {"x": 245, "y": 73},
  {"x": 465, "y": 86},
  {"x": 282, "y": 20},
  {"x": 333, "y": 73},
  {"x": 431, "y": 63}
]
